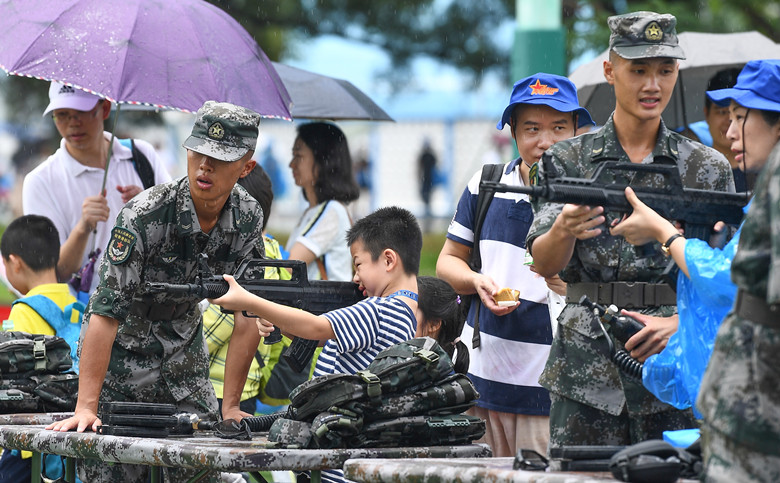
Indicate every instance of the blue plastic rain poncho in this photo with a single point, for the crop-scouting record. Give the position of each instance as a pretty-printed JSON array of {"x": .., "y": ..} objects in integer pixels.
[{"x": 703, "y": 301}]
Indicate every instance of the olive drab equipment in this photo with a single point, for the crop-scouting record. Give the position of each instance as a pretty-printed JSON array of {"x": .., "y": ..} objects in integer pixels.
[
  {"x": 407, "y": 395},
  {"x": 35, "y": 374}
]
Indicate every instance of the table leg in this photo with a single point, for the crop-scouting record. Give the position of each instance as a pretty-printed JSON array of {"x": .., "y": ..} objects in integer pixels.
[
  {"x": 316, "y": 476},
  {"x": 156, "y": 474},
  {"x": 70, "y": 470},
  {"x": 36, "y": 466}
]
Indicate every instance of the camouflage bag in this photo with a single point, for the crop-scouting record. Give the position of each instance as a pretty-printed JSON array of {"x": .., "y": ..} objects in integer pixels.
[
  {"x": 33, "y": 374},
  {"x": 411, "y": 379},
  {"x": 23, "y": 353},
  {"x": 406, "y": 367}
]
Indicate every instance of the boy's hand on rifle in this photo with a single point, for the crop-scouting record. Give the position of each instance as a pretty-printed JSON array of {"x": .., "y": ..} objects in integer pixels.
[
  {"x": 264, "y": 327},
  {"x": 237, "y": 298}
]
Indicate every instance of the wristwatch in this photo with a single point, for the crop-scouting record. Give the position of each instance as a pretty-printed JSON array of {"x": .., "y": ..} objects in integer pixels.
[{"x": 665, "y": 248}]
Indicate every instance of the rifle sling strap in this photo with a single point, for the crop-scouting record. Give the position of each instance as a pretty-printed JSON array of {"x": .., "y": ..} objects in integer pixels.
[
  {"x": 626, "y": 295},
  {"x": 490, "y": 172}
]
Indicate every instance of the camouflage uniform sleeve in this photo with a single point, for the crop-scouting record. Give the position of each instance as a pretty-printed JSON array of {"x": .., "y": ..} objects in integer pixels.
[
  {"x": 545, "y": 213},
  {"x": 251, "y": 226},
  {"x": 121, "y": 268}
]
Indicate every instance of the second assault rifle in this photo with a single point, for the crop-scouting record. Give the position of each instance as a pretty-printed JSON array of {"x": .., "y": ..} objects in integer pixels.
[
  {"x": 697, "y": 210},
  {"x": 316, "y": 296}
]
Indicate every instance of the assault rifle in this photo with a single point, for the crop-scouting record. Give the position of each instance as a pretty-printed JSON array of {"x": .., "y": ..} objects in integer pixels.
[
  {"x": 697, "y": 210},
  {"x": 316, "y": 296}
]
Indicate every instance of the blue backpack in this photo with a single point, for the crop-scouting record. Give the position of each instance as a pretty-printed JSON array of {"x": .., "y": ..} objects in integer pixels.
[{"x": 59, "y": 320}]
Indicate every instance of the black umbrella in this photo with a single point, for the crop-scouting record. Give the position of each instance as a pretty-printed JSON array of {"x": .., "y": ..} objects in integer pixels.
[
  {"x": 316, "y": 96},
  {"x": 705, "y": 54}
]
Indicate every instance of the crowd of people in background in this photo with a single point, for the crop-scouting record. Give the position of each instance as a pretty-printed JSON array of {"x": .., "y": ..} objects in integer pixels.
[{"x": 119, "y": 221}]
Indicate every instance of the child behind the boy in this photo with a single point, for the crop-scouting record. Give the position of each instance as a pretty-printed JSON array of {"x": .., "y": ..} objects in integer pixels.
[
  {"x": 385, "y": 248},
  {"x": 442, "y": 319}
]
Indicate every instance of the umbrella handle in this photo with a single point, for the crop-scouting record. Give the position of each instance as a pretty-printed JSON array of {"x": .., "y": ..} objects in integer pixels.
[
  {"x": 110, "y": 150},
  {"x": 105, "y": 171}
]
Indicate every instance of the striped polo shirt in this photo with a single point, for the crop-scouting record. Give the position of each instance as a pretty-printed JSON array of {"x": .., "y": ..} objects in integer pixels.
[{"x": 506, "y": 367}]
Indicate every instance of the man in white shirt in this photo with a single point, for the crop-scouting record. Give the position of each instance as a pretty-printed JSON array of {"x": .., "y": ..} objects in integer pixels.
[{"x": 66, "y": 187}]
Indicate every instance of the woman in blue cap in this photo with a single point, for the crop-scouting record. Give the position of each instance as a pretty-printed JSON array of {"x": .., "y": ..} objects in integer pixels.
[
  {"x": 705, "y": 291},
  {"x": 515, "y": 339}
]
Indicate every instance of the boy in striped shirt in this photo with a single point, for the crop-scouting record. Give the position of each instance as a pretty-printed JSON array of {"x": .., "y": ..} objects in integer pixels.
[{"x": 385, "y": 248}]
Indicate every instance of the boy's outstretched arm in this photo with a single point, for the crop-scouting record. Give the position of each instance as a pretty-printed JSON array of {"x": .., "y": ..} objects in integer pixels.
[
  {"x": 95, "y": 356},
  {"x": 292, "y": 321}
]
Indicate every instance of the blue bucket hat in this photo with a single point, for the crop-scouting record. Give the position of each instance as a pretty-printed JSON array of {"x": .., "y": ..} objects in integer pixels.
[
  {"x": 757, "y": 87},
  {"x": 546, "y": 89}
]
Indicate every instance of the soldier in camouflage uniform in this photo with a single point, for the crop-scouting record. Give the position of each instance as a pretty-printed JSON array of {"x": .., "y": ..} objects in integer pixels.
[
  {"x": 592, "y": 403},
  {"x": 150, "y": 347},
  {"x": 740, "y": 391}
]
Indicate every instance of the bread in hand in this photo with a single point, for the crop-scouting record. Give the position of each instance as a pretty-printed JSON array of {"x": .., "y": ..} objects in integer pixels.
[{"x": 507, "y": 295}]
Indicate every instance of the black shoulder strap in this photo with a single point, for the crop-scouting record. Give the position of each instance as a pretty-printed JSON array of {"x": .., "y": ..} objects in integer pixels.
[
  {"x": 142, "y": 166},
  {"x": 490, "y": 172}
]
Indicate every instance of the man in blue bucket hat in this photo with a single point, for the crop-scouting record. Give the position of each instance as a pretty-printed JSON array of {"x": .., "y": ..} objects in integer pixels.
[
  {"x": 592, "y": 403},
  {"x": 509, "y": 343}
]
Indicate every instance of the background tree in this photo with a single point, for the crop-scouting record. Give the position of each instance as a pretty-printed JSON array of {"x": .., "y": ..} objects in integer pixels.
[{"x": 457, "y": 33}]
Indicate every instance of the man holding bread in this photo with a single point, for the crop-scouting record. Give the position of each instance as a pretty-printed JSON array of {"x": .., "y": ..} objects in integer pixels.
[{"x": 508, "y": 332}]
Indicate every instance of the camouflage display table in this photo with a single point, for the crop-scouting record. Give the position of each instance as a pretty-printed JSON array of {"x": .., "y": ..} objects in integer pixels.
[
  {"x": 461, "y": 469},
  {"x": 207, "y": 452},
  {"x": 33, "y": 418}
]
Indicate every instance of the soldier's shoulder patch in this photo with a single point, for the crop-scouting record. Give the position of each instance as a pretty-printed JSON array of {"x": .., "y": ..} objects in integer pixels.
[{"x": 120, "y": 245}]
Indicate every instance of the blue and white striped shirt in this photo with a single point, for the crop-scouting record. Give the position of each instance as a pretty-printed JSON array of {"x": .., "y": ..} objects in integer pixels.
[
  {"x": 362, "y": 331},
  {"x": 506, "y": 367}
]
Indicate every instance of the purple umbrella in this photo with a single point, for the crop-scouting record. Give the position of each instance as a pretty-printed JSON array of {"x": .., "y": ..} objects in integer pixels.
[{"x": 162, "y": 53}]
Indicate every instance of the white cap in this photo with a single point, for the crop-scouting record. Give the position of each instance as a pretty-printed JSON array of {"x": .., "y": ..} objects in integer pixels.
[{"x": 68, "y": 97}]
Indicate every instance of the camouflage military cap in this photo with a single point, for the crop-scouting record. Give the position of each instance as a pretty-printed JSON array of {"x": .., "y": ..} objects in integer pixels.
[
  {"x": 641, "y": 35},
  {"x": 224, "y": 131}
]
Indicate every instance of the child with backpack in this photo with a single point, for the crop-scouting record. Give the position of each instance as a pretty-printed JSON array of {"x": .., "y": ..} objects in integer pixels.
[
  {"x": 385, "y": 248},
  {"x": 30, "y": 247}
]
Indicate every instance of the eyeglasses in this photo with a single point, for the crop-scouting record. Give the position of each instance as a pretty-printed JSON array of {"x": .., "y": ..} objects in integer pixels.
[
  {"x": 528, "y": 459},
  {"x": 64, "y": 116}
]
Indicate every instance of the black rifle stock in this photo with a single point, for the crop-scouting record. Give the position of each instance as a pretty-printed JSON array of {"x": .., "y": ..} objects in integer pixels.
[
  {"x": 315, "y": 296},
  {"x": 697, "y": 210}
]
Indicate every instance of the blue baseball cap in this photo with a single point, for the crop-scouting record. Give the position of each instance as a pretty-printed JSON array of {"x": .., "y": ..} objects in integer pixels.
[
  {"x": 547, "y": 89},
  {"x": 757, "y": 87}
]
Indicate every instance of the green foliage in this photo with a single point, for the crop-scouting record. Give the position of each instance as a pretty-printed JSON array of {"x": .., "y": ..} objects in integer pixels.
[
  {"x": 432, "y": 243},
  {"x": 587, "y": 19}
]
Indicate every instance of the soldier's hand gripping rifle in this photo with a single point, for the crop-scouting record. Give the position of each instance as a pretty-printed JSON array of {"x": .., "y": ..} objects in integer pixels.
[
  {"x": 315, "y": 296},
  {"x": 697, "y": 210}
]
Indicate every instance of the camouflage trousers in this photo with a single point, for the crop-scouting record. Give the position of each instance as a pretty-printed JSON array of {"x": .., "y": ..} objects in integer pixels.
[
  {"x": 576, "y": 424},
  {"x": 725, "y": 460},
  {"x": 102, "y": 472}
]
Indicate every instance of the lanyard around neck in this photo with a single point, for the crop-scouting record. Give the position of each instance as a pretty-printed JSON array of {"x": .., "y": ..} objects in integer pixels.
[{"x": 404, "y": 293}]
